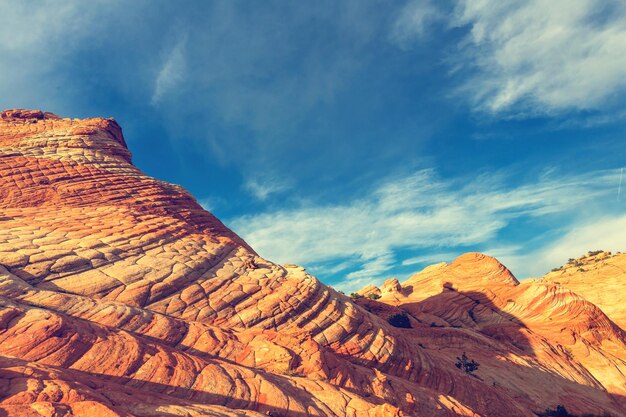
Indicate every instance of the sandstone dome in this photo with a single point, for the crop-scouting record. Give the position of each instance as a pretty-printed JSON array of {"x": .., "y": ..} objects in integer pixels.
[{"x": 121, "y": 296}]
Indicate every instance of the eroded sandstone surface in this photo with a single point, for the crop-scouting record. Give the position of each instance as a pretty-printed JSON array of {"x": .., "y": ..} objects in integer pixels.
[
  {"x": 598, "y": 276},
  {"x": 565, "y": 342},
  {"x": 121, "y": 296}
]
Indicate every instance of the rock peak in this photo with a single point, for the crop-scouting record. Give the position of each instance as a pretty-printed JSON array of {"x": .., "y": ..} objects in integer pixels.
[
  {"x": 49, "y": 161},
  {"x": 468, "y": 271},
  {"x": 481, "y": 266},
  {"x": 27, "y": 114},
  {"x": 17, "y": 126}
]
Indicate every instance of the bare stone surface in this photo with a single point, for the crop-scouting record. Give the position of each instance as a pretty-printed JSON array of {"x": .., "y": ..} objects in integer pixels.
[
  {"x": 121, "y": 296},
  {"x": 475, "y": 305},
  {"x": 598, "y": 276}
]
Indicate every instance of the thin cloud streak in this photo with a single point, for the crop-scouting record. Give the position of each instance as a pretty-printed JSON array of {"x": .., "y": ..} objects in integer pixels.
[
  {"x": 419, "y": 211},
  {"x": 619, "y": 187},
  {"x": 414, "y": 21},
  {"x": 35, "y": 40},
  {"x": 172, "y": 72},
  {"x": 528, "y": 58},
  {"x": 605, "y": 233},
  {"x": 544, "y": 57},
  {"x": 261, "y": 189},
  {"x": 430, "y": 259}
]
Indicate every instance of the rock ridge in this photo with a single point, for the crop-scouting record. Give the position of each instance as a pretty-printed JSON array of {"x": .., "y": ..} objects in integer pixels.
[{"x": 121, "y": 296}]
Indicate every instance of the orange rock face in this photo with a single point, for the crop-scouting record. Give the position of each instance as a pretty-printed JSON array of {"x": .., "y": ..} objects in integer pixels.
[
  {"x": 600, "y": 277},
  {"x": 536, "y": 340},
  {"x": 121, "y": 296}
]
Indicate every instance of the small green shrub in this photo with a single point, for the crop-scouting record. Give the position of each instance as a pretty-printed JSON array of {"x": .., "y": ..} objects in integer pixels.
[
  {"x": 467, "y": 365},
  {"x": 472, "y": 316},
  {"x": 400, "y": 320},
  {"x": 355, "y": 296},
  {"x": 561, "y": 411},
  {"x": 373, "y": 296}
]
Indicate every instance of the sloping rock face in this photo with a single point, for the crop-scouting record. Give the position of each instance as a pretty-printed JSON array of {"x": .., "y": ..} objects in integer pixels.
[
  {"x": 537, "y": 331},
  {"x": 598, "y": 276},
  {"x": 471, "y": 271},
  {"x": 121, "y": 296}
]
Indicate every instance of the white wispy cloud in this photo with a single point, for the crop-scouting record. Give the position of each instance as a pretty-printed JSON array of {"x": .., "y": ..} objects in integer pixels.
[
  {"x": 373, "y": 266},
  {"x": 38, "y": 37},
  {"x": 207, "y": 203},
  {"x": 415, "y": 20},
  {"x": 416, "y": 211},
  {"x": 26, "y": 26},
  {"x": 172, "y": 71},
  {"x": 544, "y": 56},
  {"x": 430, "y": 258},
  {"x": 605, "y": 233},
  {"x": 528, "y": 57},
  {"x": 262, "y": 188}
]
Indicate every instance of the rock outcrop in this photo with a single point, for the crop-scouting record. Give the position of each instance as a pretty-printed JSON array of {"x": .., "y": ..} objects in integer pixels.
[
  {"x": 599, "y": 277},
  {"x": 121, "y": 296},
  {"x": 476, "y": 305}
]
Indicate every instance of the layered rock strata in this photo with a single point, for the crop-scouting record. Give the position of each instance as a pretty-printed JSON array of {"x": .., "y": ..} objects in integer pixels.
[{"x": 121, "y": 296}]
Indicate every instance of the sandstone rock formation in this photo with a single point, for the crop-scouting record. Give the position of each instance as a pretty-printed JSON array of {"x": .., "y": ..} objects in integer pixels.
[
  {"x": 121, "y": 296},
  {"x": 475, "y": 304},
  {"x": 599, "y": 277}
]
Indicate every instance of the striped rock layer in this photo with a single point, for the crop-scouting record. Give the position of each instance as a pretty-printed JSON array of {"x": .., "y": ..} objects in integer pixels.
[
  {"x": 537, "y": 340},
  {"x": 599, "y": 277},
  {"x": 121, "y": 296}
]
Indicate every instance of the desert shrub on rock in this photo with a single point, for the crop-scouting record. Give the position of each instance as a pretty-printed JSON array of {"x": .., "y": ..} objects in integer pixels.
[
  {"x": 400, "y": 320},
  {"x": 467, "y": 365},
  {"x": 561, "y": 411}
]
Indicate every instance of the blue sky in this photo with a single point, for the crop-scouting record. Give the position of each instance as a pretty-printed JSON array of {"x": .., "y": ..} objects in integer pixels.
[{"x": 361, "y": 139}]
